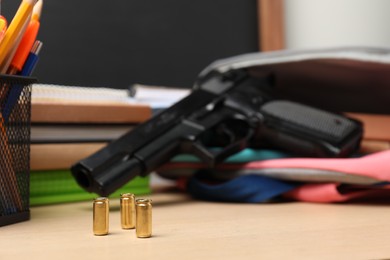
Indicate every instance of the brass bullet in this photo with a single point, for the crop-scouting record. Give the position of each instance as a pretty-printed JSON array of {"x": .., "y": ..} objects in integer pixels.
[
  {"x": 127, "y": 205},
  {"x": 100, "y": 216},
  {"x": 144, "y": 218}
]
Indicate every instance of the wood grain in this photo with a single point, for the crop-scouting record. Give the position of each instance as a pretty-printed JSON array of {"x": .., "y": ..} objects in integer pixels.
[{"x": 271, "y": 25}]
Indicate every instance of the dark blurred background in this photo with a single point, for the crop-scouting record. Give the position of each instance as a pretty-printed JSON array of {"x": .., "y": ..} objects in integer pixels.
[{"x": 117, "y": 43}]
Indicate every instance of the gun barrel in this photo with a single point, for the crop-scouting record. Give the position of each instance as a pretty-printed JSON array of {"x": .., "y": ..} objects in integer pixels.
[{"x": 105, "y": 184}]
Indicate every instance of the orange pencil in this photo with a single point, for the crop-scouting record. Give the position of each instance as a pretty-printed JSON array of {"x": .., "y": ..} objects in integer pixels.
[{"x": 3, "y": 28}]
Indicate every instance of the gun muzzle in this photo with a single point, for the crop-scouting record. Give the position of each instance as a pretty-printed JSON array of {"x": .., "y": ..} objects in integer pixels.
[{"x": 106, "y": 181}]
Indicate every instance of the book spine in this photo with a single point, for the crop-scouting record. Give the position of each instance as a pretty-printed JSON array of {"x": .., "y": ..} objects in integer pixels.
[
  {"x": 56, "y": 112},
  {"x": 60, "y": 156},
  {"x": 376, "y": 127}
]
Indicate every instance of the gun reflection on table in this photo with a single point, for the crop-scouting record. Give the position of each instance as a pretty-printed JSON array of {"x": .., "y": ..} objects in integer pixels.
[{"x": 231, "y": 111}]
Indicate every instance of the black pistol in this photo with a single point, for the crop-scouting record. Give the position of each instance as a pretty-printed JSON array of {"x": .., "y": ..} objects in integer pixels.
[{"x": 231, "y": 111}]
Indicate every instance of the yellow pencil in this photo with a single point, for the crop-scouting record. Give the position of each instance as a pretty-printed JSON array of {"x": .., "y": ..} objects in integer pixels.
[
  {"x": 16, "y": 27},
  {"x": 3, "y": 27}
]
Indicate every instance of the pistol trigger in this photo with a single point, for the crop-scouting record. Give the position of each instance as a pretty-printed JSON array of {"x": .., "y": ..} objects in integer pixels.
[
  {"x": 233, "y": 148},
  {"x": 194, "y": 147},
  {"x": 225, "y": 135}
]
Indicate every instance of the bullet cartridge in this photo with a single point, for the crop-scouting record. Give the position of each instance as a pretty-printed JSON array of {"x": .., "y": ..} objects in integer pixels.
[
  {"x": 100, "y": 216},
  {"x": 127, "y": 208},
  {"x": 144, "y": 218}
]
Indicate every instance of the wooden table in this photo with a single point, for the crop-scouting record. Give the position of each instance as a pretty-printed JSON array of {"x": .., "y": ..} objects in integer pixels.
[{"x": 187, "y": 229}]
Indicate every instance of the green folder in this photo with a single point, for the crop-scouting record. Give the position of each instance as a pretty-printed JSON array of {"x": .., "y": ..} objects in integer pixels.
[{"x": 59, "y": 186}]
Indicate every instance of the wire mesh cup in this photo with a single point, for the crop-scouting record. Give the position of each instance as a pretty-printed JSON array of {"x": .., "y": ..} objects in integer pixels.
[{"x": 15, "y": 115}]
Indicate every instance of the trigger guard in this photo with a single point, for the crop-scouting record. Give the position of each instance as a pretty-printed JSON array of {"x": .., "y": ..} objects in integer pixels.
[
  {"x": 241, "y": 139},
  {"x": 211, "y": 158},
  {"x": 233, "y": 148}
]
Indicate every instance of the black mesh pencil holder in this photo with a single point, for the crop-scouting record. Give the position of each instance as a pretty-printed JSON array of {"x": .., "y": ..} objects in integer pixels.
[{"x": 15, "y": 114}]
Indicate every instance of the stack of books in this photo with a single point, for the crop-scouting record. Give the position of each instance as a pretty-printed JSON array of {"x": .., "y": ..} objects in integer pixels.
[
  {"x": 69, "y": 124},
  {"x": 376, "y": 136}
]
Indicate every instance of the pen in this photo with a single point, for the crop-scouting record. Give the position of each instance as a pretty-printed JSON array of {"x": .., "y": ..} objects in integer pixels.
[
  {"x": 16, "y": 89},
  {"x": 15, "y": 29},
  {"x": 32, "y": 59},
  {"x": 27, "y": 41}
]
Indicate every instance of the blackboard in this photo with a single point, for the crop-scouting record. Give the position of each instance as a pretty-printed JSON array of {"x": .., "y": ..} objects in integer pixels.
[{"x": 120, "y": 42}]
